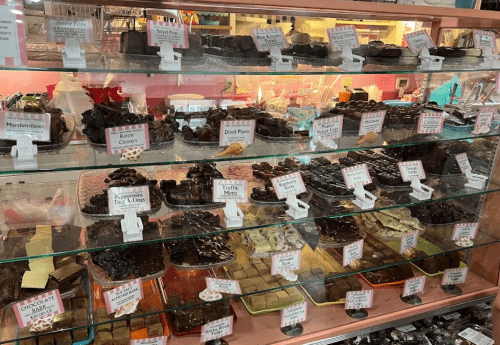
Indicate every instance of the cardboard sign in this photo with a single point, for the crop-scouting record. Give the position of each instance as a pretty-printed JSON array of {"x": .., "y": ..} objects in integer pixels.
[
  {"x": 485, "y": 117},
  {"x": 288, "y": 184},
  {"x": 217, "y": 329},
  {"x": 484, "y": 39},
  {"x": 241, "y": 131},
  {"x": 414, "y": 286},
  {"x": 46, "y": 305},
  {"x": 224, "y": 190},
  {"x": 150, "y": 341},
  {"x": 454, "y": 276},
  {"x": 343, "y": 36},
  {"x": 409, "y": 240},
  {"x": 371, "y": 122},
  {"x": 352, "y": 252},
  {"x": 121, "y": 199},
  {"x": 328, "y": 128},
  {"x": 465, "y": 230},
  {"x": 13, "y": 124},
  {"x": 411, "y": 169},
  {"x": 283, "y": 262},
  {"x": 173, "y": 33},
  {"x": 295, "y": 314},
  {"x": 430, "y": 123},
  {"x": 418, "y": 40},
  {"x": 223, "y": 285},
  {"x": 356, "y": 174},
  {"x": 119, "y": 139},
  {"x": 61, "y": 28},
  {"x": 359, "y": 299},
  {"x": 463, "y": 162},
  {"x": 476, "y": 337},
  {"x": 12, "y": 34},
  {"x": 117, "y": 298},
  {"x": 265, "y": 39}
]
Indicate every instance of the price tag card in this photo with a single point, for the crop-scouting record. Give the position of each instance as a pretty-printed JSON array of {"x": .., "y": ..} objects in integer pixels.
[
  {"x": 484, "y": 39},
  {"x": 463, "y": 162},
  {"x": 12, "y": 34},
  {"x": 121, "y": 199},
  {"x": 454, "y": 276},
  {"x": 414, "y": 286},
  {"x": 283, "y": 262},
  {"x": 352, "y": 252},
  {"x": 225, "y": 190},
  {"x": 407, "y": 328},
  {"x": 358, "y": 299},
  {"x": 411, "y": 169},
  {"x": 295, "y": 314},
  {"x": 173, "y": 33},
  {"x": 328, "y": 128},
  {"x": 465, "y": 230},
  {"x": 485, "y": 117},
  {"x": 13, "y": 124},
  {"x": 119, "y": 139},
  {"x": 430, "y": 123},
  {"x": 371, "y": 122},
  {"x": 46, "y": 305},
  {"x": 288, "y": 184},
  {"x": 343, "y": 36},
  {"x": 409, "y": 240},
  {"x": 452, "y": 316},
  {"x": 217, "y": 329},
  {"x": 267, "y": 38},
  {"x": 418, "y": 40},
  {"x": 356, "y": 174},
  {"x": 223, "y": 285},
  {"x": 150, "y": 341},
  {"x": 241, "y": 131},
  {"x": 117, "y": 298},
  {"x": 61, "y": 28},
  {"x": 476, "y": 337}
]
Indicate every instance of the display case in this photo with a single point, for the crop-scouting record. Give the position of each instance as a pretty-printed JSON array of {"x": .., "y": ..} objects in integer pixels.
[{"x": 226, "y": 184}]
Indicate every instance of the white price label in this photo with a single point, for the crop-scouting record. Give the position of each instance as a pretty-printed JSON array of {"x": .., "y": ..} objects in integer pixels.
[
  {"x": 223, "y": 285},
  {"x": 359, "y": 299},
  {"x": 465, "y": 230},
  {"x": 484, "y": 39},
  {"x": 267, "y": 38},
  {"x": 418, "y": 40},
  {"x": 285, "y": 262},
  {"x": 411, "y": 169},
  {"x": 119, "y": 297},
  {"x": 217, "y": 329},
  {"x": 241, "y": 131},
  {"x": 356, "y": 174},
  {"x": 288, "y": 184},
  {"x": 61, "y": 28},
  {"x": 173, "y": 33},
  {"x": 485, "y": 117},
  {"x": 463, "y": 162},
  {"x": 352, "y": 252},
  {"x": 225, "y": 190},
  {"x": 46, "y": 305},
  {"x": 454, "y": 276},
  {"x": 294, "y": 314},
  {"x": 452, "y": 316},
  {"x": 430, "y": 123},
  {"x": 407, "y": 328},
  {"x": 414, "y": 286},
  {"x": 119, "y": 139},
  {"x": 371, "y": 122},
  {"x": 12, "y": 34},
  {"x": 409, "y": 240},
  {"x": 328, "y": 128},
  {"x": 13, "y": 124},
  {"x": 475, "y": 337},
  {"x": 150, "y": 341},
  {"x": 121, "y": 199},
  {"x": 343, "y": 36}
]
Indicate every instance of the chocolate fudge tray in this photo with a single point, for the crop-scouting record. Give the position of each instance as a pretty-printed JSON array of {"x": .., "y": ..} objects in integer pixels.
[
  {"x": 181, "y": 288},
  {"x": 188, "y": 186},
  {"x": 430, "y": 266},
  {"x": 93, "y": 185},
  {"x": 137, "y": 327},
  {"x": 335, "y": 232}
]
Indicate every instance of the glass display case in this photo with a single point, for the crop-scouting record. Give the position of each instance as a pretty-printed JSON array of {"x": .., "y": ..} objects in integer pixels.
[{"x": 165, "y": 177}]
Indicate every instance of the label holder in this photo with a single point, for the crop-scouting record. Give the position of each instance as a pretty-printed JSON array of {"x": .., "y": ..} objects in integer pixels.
[
  {"x": 491, "y": 60},
  {"x": 24, "y": 153},
  {"x": 132, "y": 226},
  {"x": 420, "y": 191},
  {"x": 73, "y": 56},
  {"x": 170, "y": 60},
  {"x": 475, "y": 181},
  {"x": 350, "y": 61},
  {"x": 297, "y": 209},
  {"x": 429, "y": 62},
  {"x": 234, "y": 215},
  {"x": 364, "y": 199},
  {"x": 279, "y": 62}
]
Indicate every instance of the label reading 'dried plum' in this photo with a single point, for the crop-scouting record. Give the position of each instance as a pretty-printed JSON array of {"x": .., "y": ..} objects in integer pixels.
[
  {"x": 217, "y": 329},
  {"x": 418, "y": 40},
  {"x": 371, "y": 122},
  {"x": 454, "y": 276},
  {"x": 328, "y": 128},
  {"x": 411, "y": 169},
  {"x": 414, "y": 286},
  {"x": 119, "y": 139},
  {"x": 241, "y": 131},
  {"x": 356, "y": 174},
  {"x": 288, "y": 184},
  {"x": 343, "y": 36},
  {"x": 13, "y": 124},
  {"x": 46, "y": 305},
  {"x": 295, "y": 314},
  {"x": 359, "y": 299},
  {"x": 117, "y": 298},
  {"x": 173, "y": 33},
  {"x": 267, "y": 38},
  {"x": 121, "y": 199},
  {"x": 430, "y": 123},
  {"x": 285, "y": 262},
  {"x": 352, "y": 252}
]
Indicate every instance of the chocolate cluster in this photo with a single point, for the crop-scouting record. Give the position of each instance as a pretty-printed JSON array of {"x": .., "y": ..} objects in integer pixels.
[
  {"x": 240, "y": 46},
  {"x": 199, "y": 222},
  {"x": 338, "y": 230},
  {"x": 443, "y": 212},
  {"x": 108, "y": 232},
  {"x": 379, "y": 49}
]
